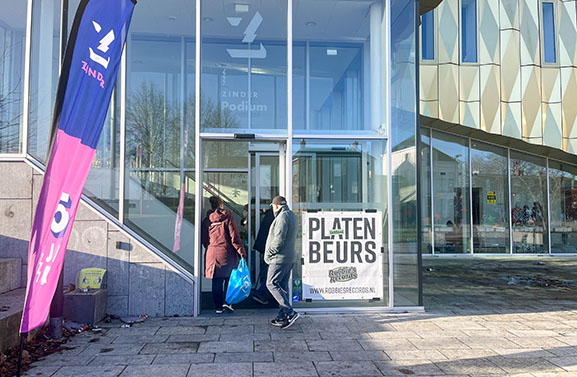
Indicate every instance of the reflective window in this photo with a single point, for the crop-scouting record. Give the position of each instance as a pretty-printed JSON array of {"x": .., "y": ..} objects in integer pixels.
[
  {"x": 12, "y": 35},
  {"x": 43, "y": 74},
  {"x": 428, "y": 35},
  {"x": 339, "y": 175},
  {"x": 451, "y": 193},
  {"x": 529, "y": 203},
  {"x": 403, "y": 138},
  {"x": 469, "y": 31},
  {"x": 244, "y": 66},
  {"x": 159, "y": 186},
  {"x": 549, "y": 33},
  {"x": 563, "y": 199},
  {"x": 490, "y": 198},
  {"x": 426, "y": 220},
  {"x": 340, "y": 54}
]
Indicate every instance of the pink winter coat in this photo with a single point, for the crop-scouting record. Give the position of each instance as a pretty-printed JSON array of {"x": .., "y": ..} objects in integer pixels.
[{"x": 223, "y": 244}]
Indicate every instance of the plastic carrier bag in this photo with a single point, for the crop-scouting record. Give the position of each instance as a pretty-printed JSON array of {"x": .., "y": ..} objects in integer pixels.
[{"x": 239, "y": 284}]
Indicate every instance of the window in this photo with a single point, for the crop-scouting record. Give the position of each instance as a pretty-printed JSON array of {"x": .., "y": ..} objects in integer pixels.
[
  {"x": 549, "y": 33},
  {"x": 469, "y": 31},
  {"x": 428, "y": 36}
]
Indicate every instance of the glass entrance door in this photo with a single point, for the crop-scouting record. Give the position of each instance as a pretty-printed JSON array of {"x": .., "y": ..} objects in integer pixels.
[{"x": 246, "y": 175}]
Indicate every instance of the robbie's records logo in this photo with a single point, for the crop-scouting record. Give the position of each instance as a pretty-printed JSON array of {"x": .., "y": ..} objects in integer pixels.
[{"x": 343, "y": 274}]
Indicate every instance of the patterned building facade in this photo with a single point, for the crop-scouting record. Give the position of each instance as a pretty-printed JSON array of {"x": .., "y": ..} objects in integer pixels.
[{"x": 511, "y": 89}]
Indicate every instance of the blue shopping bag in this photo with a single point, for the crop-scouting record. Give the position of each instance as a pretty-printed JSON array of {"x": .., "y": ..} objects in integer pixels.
[{"x": 238, "y": 284}]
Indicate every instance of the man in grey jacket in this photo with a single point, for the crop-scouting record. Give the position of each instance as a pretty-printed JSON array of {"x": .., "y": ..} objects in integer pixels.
[{"x": 280, "y": 255}]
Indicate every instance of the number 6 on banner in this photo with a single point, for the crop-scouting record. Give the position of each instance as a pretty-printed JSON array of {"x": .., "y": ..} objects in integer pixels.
[{"x": 61, "y": 217}]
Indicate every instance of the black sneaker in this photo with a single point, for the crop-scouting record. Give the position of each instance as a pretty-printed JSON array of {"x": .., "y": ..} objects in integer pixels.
[
  {"x": 228, "y": 307},
  {"x": 290, "y": 320},
  {"x": 277, "y": 322}
]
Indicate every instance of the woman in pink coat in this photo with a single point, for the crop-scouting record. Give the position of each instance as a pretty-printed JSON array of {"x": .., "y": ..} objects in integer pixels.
[{"x": 221, "y": 239}]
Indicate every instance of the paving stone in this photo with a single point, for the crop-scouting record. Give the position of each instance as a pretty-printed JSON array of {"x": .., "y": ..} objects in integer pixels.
[
  {"x": 228, "y": 346},
  {"x": 563, "y": 351},
  {"x": 523, "y": 352},
  {"x": 346, "y": 368},
  {"x": 567, "y": 363},
  {"x": 230, "y": 329},
  {"x": 523, "y": 365},
  {"x": 277, "y": 346},
  {"x": 41, "y": 371},
  {"x": 406, "y": 367},
  {"x": 534, "y": 333},
  {"x": 358, "y": 355},
  {"x": 122, "y": 360},
  {"x": 285, "y": 369},
  {"x": 181, "y": 330},
  {"x": 302, "y": 356},
  {"x": 468, "y": 354},
  {"x": 246, "y": 357},
  {"x": 257, "y": 336},
  {"x": 416, "y": 355},
  {"x": 64, "y": 360},
  {"x": 460, "y": 325},
  {"x": 490, "y": 343},
  {"x": 134, "y": 330},
  {"x": 386, "y": 344},
  {"x": 416, "y": 326},
  {"x": 344, "y": 335},
  {"x": 127, "y": 339},
  {"x": 169, "y": 348},
  {"x": 539, "y": 342},
  {"x": 392, "y": 335},
  {"x": 90, "y": 371},
  {"x": 334, "y": 345},
  {"x": 184, "y": 358},
  {"x": 193, "y": 338},
  {"x": 433, "y": 344},
  {"x": 221, "y": 370},
  {"x": 469, "y": 366},
  {"x": 112, "y": 349},
  {"x": 441, "y": 334},
  {"x": 174, "y": 370},
  {"x": 296, "y": 336}
]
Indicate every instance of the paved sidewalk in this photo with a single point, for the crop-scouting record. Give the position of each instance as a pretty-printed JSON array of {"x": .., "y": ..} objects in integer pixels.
[{"x": 540, "y": 340}]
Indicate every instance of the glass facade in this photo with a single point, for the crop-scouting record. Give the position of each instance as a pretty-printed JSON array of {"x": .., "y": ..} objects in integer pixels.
[
  {"x": 314, "y": 100},
  {"x": 451, "y": 193},
  {"x": 489, "y": 198},
  {"x": 12, "y": 50},
  {"x": 563, "y": 199},
  {"x": 428, "y": 35},
  {"x": 507, "y": 192}
]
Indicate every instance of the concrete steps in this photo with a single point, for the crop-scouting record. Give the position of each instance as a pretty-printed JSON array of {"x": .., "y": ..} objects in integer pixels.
[
  {"x": 11, "y": 302},
  {"x": 10, "y": 274}
]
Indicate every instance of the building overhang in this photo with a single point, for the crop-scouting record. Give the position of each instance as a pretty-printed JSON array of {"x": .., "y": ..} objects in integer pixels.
[{"x": 504, "y": 141}]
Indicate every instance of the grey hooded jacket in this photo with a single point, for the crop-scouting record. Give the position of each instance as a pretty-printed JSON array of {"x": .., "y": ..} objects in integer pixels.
[{"x": 281, "y": 240}]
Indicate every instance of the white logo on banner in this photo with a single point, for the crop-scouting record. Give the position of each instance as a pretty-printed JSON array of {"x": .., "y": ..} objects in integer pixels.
[
  {"x": 103, "y": 46},
  {"x": 342, "y": 255}
]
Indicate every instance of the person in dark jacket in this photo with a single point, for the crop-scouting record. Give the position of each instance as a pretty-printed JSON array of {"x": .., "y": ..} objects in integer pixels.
[
  {"x": 260, "y": 245},
  {"x": 280, "y": 255},
  {"x": 221, "y": 239}
]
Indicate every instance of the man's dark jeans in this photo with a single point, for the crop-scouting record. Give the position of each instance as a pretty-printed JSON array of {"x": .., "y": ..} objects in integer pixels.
[
  {"x": 261, "y": 289},
  {"x": 277, "y": 283}
]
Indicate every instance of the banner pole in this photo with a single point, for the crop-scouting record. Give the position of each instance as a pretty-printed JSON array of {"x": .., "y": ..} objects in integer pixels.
[{"x": 18, "y": 371}]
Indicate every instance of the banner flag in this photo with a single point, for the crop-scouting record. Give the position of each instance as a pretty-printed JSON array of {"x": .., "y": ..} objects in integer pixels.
[{"x": 84, "y": 89}]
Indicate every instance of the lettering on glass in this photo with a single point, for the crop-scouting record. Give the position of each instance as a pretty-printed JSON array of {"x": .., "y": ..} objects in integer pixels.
[{"x": 249, "y": 37}]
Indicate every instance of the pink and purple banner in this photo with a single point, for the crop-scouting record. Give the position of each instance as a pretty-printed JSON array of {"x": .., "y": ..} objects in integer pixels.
[{"x": 86, "y": 82}]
